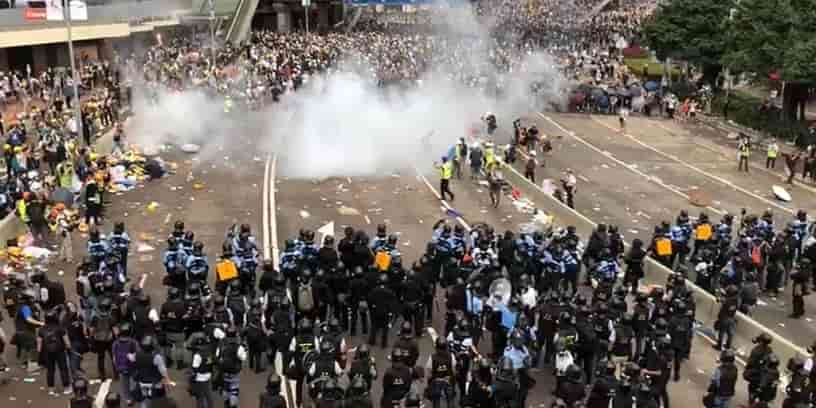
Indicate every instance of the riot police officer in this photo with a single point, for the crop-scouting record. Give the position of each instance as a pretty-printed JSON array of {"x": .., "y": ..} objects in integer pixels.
[
  {"x": 441, "y": 366},
  {"x": 396, "y": 381},
  {"x": 323, "y": 368},
  {"x": 756, "y": 364},
  {"x": 603, "y": 388},
  {"x": 201, "y": 373},
  {"x": 271, "y": 396},
  {"x": 363, "y": 366},
  {"x": 724, "y": 381},
  {"x": 304, "y": 343},
  {"x": 231, "y": 355},
  {"x": 150, "y": 373},
  {"x": 408, "y": 344},
  {"x": 358, "y": 395},
  {"x": 480, "y": 392},
  {"x": 173, "y": 325}
]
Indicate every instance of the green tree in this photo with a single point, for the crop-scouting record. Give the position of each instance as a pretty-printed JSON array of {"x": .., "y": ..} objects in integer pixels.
[
  {"x": 690, "y": 30},
  {"x": 776, "y": 36}
]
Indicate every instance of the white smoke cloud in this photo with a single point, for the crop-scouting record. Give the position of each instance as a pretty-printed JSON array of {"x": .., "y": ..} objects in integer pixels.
[{"x": 343, "y": 124}]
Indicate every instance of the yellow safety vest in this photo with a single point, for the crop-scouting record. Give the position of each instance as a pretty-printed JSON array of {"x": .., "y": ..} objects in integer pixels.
[
  {"x": 22, "y": 210},
  {"x": 489, "y": 156},
  {"x": 773, "y": 150},
  {"x": 446, "y": 171},
  {"x": 744, "y": 151}
]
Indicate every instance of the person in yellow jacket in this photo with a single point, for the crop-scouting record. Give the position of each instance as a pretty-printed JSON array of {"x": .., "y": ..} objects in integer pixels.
[
  {"x": 489, "y": 157},
  {"x": 445, "y": 175},
  {"x": 773, "y": 152},
  {"x": 22, "y": 208},
  {"x": 65, "y": 175},
  {"x": 744, "y": 151},
  {"x": 227, "y": 104}
]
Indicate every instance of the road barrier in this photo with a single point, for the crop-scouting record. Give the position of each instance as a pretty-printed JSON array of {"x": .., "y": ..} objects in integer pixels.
[{"x": 657, "y": 274}]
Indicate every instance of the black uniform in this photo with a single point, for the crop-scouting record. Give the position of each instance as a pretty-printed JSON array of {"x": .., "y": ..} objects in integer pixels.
[{"x": 396, "y": 383}]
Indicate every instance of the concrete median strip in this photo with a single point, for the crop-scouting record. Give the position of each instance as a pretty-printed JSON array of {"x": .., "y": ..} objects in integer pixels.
[{"x": 707, "y": 304}]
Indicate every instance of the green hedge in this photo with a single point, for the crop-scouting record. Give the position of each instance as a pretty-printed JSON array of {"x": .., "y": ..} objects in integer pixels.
[
  {"x": 655, "y": 68},
  {"x": 744, "y": 109}
]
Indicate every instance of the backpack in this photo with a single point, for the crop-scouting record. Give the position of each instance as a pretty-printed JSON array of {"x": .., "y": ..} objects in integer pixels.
[
  {"x": 382, "y": 260},
  {"x": 704, "y": 232},
  {"x": 52, "y": 341},
  {"x": 121, "y": 348},
  {"x": 228, "y": 357},
  {"x": 305, "y": 298},
  {"x": 663, "y": 247},
  {"x": 103, "y": 328},
  {"x": 226, "y": 270},
  {"x": 756, "y": 255}
]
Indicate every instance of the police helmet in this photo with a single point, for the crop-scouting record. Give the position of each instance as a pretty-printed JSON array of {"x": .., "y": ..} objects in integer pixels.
[
  {"x": 245, "y": 229},
  {"x": 80, "y": 387},
  {"x": 458, "y": 229},
  {"x": 441, "y": 344},
  {"x": 268, "y": 265},
  {"x": 189, "y": 236},
  {"x": 358, "y": 386},
  {"x": 171, "y": 243},
  {"x": 412, "y": 400},
  {"x": 406, "y": 330},
  {"x": 306, "y": 275},
  {"x": 119, "y": 227},
  {"x": 363, "y": 352},
  {"x": 198, "y": 248},
  {"x": 727, "y": 356},
  {"x": 289, "y": 245},
  {"x": 273, "y": 383},
  {"x": 763, "y": 338},
  {"x": 328, "y": 241},
  {"x": 179, "y": 226},
  {"x": 94, "y": 235},
  {"x": 381, "y": 230},
  {"x": 574, "y": 373},
  {"x": 329, "y": 386},
  {"x": 148, "y": 343},
  {"x": 308, "y": 236},
  {"x": 383, "y": 279},
  {"x": 173, "y": 293},
  {"x": 105, "y": 304},
  {"x": 334, "y": 325},
  {"x": 392, "y": 239},
  {"x": 773, "y": 361},
  {"x": 279, "y": 279},
  {"x": 305, "y": 326},
  {"x": 113, "y": 400}
]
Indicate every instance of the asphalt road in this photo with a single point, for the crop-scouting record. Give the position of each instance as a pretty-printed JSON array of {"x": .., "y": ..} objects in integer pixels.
[
  {"x": 639, "y": 180},
  {"x": 234, "y": 194}
]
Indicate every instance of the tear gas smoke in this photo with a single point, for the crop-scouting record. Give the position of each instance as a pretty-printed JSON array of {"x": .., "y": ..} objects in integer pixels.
[{"x": 343, "y": 124}]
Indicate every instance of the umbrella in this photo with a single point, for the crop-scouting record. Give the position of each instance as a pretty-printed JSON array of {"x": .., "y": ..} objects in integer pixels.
[
  {"x": 61, "y": 195},
  {"x": 598, "y": 92},
  {"x": 651, "y": 86},
  {"x": 635, "y": 90},
  {"x": 603, "y": 101},
  {"x": 578, "y": 97}
]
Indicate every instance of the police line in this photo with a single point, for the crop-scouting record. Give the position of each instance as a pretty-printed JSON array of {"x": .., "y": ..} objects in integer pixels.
[
  {"x": 11, "y": 227},
  {"x": 707, "y": 306}
]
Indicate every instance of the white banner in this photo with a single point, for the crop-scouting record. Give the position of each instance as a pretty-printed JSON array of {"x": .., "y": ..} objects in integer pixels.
[{"x": 55, "y": 12}]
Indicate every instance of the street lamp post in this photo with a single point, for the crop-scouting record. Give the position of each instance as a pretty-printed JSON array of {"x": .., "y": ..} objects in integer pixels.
[
  {"x": 74, "y": 73},
  {"x": 212, "y": 32},
  {"x": 306, "y": 5}
]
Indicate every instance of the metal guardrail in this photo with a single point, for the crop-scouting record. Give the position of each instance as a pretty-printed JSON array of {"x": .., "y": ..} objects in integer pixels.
[
  {"x": 14, "y": 19},
  {"x": 707, "y": 305}
]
